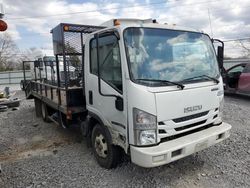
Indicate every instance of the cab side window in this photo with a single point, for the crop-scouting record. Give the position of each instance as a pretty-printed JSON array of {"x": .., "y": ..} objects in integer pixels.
[
  {"x": 237, "y": 69},
  {"x": 109, "y": 60}
]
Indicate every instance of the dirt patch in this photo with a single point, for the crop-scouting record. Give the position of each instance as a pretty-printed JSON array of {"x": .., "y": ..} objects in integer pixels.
[{"x": 38, "y": 147}]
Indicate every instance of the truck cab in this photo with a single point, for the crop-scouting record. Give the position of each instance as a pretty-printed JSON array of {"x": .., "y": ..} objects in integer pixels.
[{"x": 153, "y": 90}]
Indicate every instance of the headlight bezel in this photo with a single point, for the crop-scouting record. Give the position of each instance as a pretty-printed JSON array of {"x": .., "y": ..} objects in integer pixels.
[{"x": 144, "y": 123}]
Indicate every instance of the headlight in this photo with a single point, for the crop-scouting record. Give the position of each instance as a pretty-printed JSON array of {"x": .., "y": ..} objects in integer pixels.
[
  {"x": 147, "y": 137},
  {"x": 144, "y": 127}
]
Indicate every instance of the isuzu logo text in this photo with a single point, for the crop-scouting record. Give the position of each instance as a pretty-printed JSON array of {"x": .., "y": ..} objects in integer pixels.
[{"x": 192, "y": 108}]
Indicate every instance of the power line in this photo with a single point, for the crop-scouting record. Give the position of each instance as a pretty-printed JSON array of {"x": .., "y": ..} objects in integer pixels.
[
  {"x": 89, "y": 11},
  {"x": 143, "y": 5},
  {"x": 117, "y": 8},
  {"x": 237, "y": 39},
  {"x": 161, "y": 7},
  {"x": 35, "y": 34},
  {"x": 158, "y": 3}
]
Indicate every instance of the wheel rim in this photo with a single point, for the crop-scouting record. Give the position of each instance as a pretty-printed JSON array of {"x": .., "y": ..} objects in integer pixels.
[{"x": 101, "y": 146}]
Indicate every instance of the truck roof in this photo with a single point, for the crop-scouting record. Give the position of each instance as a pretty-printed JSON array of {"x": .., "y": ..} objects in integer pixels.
[
  {"x": 69, "y": 38},
  {"x": 130, "y": 22}
]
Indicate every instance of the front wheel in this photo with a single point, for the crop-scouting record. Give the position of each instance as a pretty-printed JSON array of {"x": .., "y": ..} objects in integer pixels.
[{"x": 106, "y": 154}]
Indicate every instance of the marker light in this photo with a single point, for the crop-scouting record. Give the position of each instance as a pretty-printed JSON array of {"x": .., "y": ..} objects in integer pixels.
[
  {"x": 69, "y": 115},
  {"x": 66, "y": 28},
  {"x": 116, "y": 22}
]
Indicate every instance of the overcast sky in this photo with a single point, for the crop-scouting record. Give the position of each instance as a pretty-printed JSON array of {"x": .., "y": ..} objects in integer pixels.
[{"x": 30, "y": 21}]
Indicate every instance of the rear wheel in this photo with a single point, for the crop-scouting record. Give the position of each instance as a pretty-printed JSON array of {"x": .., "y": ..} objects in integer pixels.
[
  {"x": 106, "y": 154},
  {"x": 44, "y": 112},
  {"x": 38, "y": 107}
]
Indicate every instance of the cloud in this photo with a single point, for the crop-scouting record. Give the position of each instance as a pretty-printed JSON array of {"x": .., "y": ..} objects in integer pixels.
[
  {"x": 179, "y": 39},
  {"x": 12, "y": 31},
  {"x": 229, "y": 18}
]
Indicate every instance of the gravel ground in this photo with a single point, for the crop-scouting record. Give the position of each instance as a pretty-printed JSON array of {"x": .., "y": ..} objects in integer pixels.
[{"x": 38, "y": 154}]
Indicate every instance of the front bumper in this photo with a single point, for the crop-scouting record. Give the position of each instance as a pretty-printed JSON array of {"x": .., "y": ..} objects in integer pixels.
[{"x": 178, "y": 148}]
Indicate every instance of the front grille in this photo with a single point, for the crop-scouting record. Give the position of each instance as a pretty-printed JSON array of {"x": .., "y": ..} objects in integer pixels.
[
  {"x": 186, "y": 133},
  {"x": 191, "y": 125},
  {"x": 186, "y": 118}
]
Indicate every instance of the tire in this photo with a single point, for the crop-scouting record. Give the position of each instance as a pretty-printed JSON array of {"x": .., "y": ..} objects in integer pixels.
[
  {"x": 44, "y": 112},
  {"x": 38, "y": 107},
  {"x": 107, "y": 155},
  {"x": 85, "y": 128}
]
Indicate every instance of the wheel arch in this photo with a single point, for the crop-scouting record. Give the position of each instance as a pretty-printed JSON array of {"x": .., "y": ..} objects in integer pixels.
[
  {"x": 115, "y": 137},
  {"x": 94, "y": 119}
]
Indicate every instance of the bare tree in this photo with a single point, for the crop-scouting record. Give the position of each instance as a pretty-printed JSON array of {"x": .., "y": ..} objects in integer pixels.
[
  {"x": 245, "y": 47},
  {"x": 8, "y": 52},
  {"x": 32, "y": 54}
]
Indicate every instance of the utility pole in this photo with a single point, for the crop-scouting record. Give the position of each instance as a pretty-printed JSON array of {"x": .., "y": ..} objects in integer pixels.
[
  {"x": 1, "y": 11},
  {"x": 210, "y": 22}
]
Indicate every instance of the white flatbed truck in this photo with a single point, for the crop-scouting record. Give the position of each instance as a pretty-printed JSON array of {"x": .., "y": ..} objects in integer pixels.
[{"x": 152, "y": 90}]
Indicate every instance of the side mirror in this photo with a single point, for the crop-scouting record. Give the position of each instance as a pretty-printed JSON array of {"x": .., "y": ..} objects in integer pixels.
[
  {"x": 220, "y": 53},
  {"x": 220, "y": 56}
]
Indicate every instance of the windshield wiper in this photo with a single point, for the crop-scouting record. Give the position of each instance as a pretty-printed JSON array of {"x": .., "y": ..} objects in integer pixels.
[
  {"x": 202, "y": 76},
  {"x": 163, "y": 81}
]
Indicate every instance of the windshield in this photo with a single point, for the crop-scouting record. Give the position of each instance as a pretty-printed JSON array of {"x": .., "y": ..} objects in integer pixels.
[{"x": 171, "y": 55}]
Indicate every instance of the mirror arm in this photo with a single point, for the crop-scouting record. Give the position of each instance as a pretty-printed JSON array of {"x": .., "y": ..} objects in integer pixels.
[{"x": 218, "y": 40}]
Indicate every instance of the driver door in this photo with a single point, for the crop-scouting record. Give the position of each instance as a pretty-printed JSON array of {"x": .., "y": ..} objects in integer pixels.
[{"x": 102, "y": 97}]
